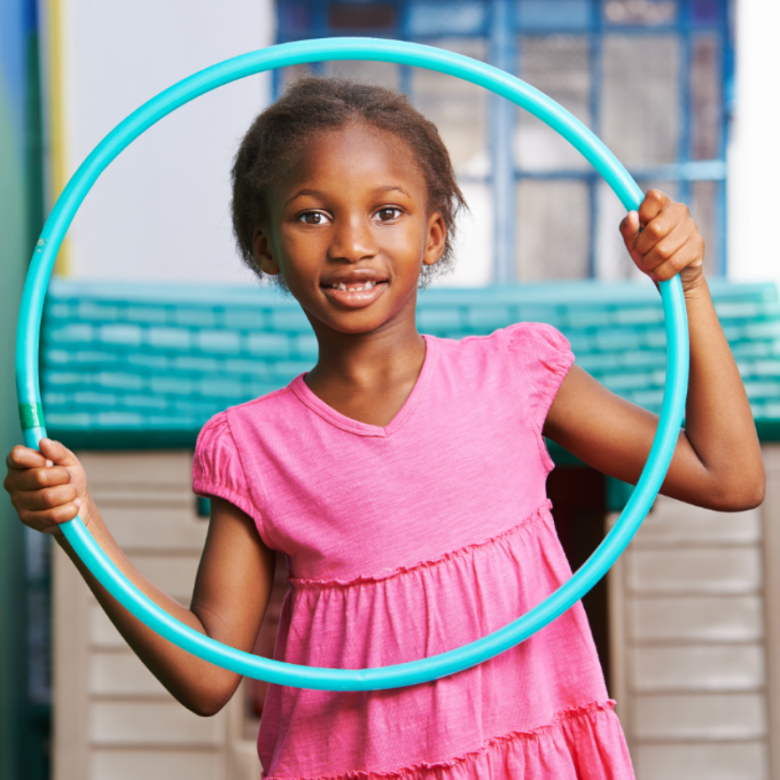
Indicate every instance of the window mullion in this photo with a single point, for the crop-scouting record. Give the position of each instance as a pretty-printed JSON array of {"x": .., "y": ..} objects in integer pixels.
[{"x": 502, "y": 55}]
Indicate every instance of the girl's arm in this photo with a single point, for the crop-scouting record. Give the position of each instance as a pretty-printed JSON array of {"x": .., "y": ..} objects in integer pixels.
[
  {"x": 232, "y": 587},
  {"x": 717, "y": 462}
]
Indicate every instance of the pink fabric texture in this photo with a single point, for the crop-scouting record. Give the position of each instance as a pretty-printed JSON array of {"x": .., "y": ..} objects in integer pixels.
[{"x": 410, "y": 540}]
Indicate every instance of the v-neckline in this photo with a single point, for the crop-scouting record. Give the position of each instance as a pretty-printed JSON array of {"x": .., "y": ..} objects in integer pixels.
[{"x": 328, "y": 413}]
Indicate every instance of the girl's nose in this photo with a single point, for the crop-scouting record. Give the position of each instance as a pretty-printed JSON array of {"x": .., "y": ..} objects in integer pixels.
[{"x": 352, "y": 240}]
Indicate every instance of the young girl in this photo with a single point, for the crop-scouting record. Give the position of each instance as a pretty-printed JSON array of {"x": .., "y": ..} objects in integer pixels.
[{"x": 404, "y": 475}]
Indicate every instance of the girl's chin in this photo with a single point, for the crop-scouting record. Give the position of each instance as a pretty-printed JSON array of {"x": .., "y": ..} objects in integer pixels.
[{"x": 355, "y": 299}]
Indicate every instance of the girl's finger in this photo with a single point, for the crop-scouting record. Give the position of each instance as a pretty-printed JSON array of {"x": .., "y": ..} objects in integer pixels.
[
  {"x": 689, "y": 255},
  {"x": 48, "y": 498},
  {"x": 57, "y": 452},
  {"x": 46, "y": 521},
  {"x": 653, "y": 204},
  {"x": 24, "y": 458},
  {"x": 35, "y": 479},
  {"x": 663, "y": 225},
  {"x": 664, "y": 249},
  {"x": 629, "y": 227}
]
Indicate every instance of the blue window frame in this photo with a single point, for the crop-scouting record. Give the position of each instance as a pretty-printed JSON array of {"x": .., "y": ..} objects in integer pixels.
[{"x": 651, "y": 77}]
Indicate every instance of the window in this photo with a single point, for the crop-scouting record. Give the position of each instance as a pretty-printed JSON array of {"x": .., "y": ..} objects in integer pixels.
[{"x": 650, "y": 77}]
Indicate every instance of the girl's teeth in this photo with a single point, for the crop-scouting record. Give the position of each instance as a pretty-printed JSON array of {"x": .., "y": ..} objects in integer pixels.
[{"x": 354, "y": 287}]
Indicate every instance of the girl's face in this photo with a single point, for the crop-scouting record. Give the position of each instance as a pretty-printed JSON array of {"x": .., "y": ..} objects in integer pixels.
[{"x": 349, "y": 230}]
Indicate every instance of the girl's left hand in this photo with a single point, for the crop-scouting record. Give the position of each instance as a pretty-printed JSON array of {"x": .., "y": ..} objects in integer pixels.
[{"x": 664, "y": 241}]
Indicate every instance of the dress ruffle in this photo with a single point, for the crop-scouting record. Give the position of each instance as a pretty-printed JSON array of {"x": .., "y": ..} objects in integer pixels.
[
  {"x": 424, "y": 610},
  {"x": 580, "y": 744}
]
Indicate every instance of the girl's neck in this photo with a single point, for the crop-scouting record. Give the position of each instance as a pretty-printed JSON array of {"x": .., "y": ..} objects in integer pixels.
[{"x": 368, "y": 377}]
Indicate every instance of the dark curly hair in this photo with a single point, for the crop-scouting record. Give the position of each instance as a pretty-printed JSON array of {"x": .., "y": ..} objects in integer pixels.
[{"x": 313, "y": 104}]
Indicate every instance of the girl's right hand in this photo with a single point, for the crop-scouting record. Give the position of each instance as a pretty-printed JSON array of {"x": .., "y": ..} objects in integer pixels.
[{"x": 47, "y": 487}]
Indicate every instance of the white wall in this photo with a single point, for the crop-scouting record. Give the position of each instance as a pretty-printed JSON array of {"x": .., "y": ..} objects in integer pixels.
[
  {"x": 161, "y": 210},
  {"x": 754, "y": 154}
]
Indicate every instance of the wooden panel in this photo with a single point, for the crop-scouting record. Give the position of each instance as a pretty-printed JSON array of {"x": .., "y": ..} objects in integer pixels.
[
  {"x": 122, "y": 674},
  {"x": 153, "y": 467},
  {"x": 702, "y": 761},
  {"x": 736, "y": 570},
  {"x": 152, "y": 723},
  {"x": 722, "y": 619},
  {"x": 101, "y": 630},
  {"x": 173, "y": 574},
  {"x": 70, "y": 614},
  {"x": 771, "y": 520},
  {"x": 672, "y": 522},
  {"x": 176, "y": 496},
  {"x": 700, "y": 716},
  {"x": 137, "y": 528},
  {"x": 698, "y": 667},
  {"x": 157, "y": 765}
]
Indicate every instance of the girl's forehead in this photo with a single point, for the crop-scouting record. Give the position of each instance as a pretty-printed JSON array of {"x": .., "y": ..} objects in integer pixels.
[{"x": 356, "y": 149}]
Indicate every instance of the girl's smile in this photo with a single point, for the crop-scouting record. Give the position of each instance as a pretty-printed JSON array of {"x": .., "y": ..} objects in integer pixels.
[{"x": 350, "y": 230}]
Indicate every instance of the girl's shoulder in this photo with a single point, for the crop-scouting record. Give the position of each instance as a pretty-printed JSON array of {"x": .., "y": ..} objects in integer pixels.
[
  {"x": 524, "y": 344},
  {"x": 226, "y": 430},
  {"x": 530, "y": 342},
  {"x": 524, "y": 364}
]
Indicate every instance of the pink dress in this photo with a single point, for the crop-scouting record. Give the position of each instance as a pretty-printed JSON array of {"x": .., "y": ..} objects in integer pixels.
[{"x": 410, "y": 540}]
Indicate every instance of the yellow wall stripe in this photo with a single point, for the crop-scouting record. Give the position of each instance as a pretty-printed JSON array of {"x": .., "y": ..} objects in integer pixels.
[{"x": 57, "y": 131}]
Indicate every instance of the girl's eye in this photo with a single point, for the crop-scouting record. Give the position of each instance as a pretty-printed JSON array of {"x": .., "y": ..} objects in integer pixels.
[
  {"x": 388, "y": 214},
  {"x": 313, "y": 218}
]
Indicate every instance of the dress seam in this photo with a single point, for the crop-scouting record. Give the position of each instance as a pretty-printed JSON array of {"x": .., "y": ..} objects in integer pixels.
[
  {"x": 564, "y": 716},
  {"x": 315, "y": 584}
]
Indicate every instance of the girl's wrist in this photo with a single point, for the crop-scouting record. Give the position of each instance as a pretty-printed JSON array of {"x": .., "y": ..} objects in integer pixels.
[{"x": 695, "y": 289}]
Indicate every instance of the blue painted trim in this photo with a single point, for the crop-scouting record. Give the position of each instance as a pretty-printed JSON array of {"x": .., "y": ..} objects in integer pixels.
[{"x": 502, "y": 115}]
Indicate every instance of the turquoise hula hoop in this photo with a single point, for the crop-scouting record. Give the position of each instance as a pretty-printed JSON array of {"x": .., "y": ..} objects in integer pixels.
[{"x": 493, "y": 79}]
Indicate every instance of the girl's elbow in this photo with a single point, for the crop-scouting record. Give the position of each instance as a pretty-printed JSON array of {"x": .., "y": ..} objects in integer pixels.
[
  {"x": 207, "y": 700},
  {"x": 206, "y": 707},
  {"x": 208, "y": 711},
  {"x": 741, "y": 496}
]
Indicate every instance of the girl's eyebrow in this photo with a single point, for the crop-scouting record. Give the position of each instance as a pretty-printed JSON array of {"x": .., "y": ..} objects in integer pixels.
[
  {"x": 318, "y": 194},
  {"x": 394, "y": 187},
  {"x": 313, "y": 193}
]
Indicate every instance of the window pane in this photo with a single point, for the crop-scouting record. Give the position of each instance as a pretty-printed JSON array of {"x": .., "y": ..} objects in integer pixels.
[
  {"x": 640, "y": 11},
  {"x": 291, "y": 74},
  {"x": 705, "y": 99},
  {"x": 383, "y": 74},
  {"x": 474, "y": 240},
  {"x": 558, "y": 65},
  {"x": 363, "y": 17},
  {"x": 294, "y": 17},
  {"x": 704, "y": 209},
  {"x": 447, "y": 17},
  {"x": 707, "y": 11},
  {"x": 553, "y": 230},
  {"x": 458, "y": 108},
  {"x": 640, "y": 115},
  {"x": 553, "y": 14},
  {"x": 612, "y": 262}
]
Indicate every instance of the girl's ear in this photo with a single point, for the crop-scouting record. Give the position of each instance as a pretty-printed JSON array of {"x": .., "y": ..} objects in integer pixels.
[
  {"x": 261, "y": 247},
  {"x": 437, "y": 238}
]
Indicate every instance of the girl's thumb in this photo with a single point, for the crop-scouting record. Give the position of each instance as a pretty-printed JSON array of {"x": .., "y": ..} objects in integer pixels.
[{"x": 57, "y": 453}]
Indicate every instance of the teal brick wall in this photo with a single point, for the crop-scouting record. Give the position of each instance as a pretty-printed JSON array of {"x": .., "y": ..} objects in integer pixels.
[{"x": 135, "y": 366}]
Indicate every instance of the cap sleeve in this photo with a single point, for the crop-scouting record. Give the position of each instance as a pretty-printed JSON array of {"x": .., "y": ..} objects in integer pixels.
[
  {"x": 217, "y": 469},
  {"x": 542, "y": 357}
]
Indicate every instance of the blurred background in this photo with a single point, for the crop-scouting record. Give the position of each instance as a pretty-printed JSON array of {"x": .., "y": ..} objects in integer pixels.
[{"x": 683, "y": 91}]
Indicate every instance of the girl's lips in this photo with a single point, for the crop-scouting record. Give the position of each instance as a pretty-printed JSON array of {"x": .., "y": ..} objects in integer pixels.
[{"x": 355, "y": 299}]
